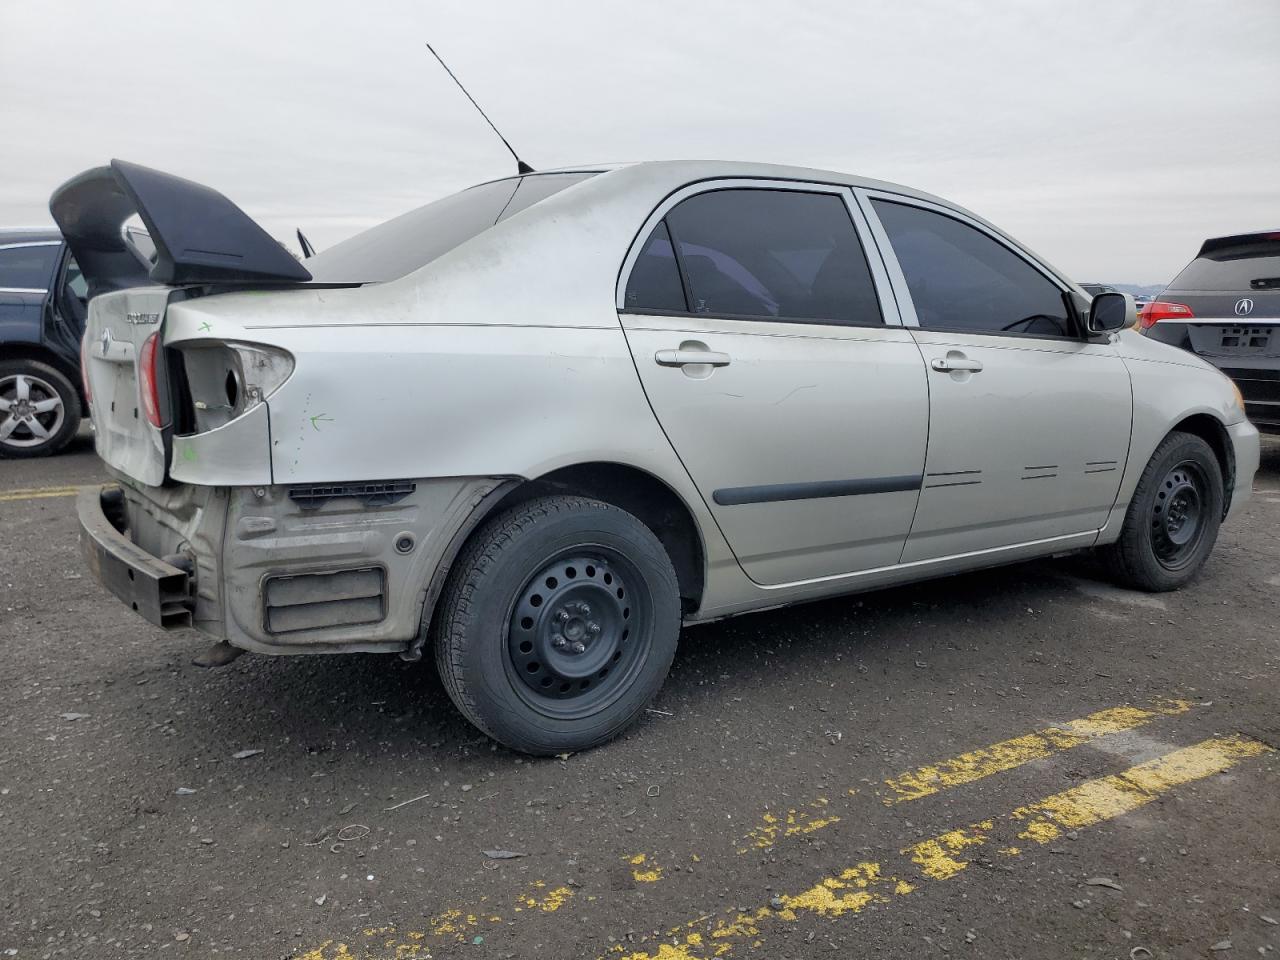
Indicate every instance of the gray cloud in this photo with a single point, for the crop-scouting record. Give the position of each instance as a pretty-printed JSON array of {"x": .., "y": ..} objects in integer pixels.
[{"x": 1112, "y": 137}]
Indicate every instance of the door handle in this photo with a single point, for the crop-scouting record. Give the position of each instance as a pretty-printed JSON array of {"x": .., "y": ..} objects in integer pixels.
[
  {"x": 680, "y": 358},
  {"x": 955, "y": 365}
]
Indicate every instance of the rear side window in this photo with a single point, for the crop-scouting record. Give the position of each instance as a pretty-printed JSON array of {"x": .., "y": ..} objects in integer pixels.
[
  {"x": 962, "y": 279},
  {"x": 1229, "y": 274},
  {"x": 655, "y": 279},
  {"x": 772, "y": 255},
  {"x": 27, "y": 268}
]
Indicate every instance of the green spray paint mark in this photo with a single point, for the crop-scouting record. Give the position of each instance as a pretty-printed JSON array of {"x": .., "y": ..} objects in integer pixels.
[
  {"x": 188, "y": 453},
  {"x": 320, "y": 418}
]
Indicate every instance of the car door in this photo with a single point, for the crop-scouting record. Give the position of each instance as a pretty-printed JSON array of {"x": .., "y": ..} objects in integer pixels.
[
  {"x": 782, "y": 377},
  {"x": 65, "y": 308},
  {"x": 1029, "y": 419}
]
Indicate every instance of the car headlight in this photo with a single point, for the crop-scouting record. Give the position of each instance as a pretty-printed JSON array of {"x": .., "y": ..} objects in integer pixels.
[{"x": 1239, "y": 397}]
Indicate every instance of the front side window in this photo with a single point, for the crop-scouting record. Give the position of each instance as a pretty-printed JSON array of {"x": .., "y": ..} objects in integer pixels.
[
  {"x": 27, "y": 267},
  {"x": 768, "y": 254},
  {"x": 962, "y": 279}
]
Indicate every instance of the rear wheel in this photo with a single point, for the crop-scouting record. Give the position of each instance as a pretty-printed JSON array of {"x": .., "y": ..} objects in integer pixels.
[
  {"x": 39, "y": 409},
  {"x": 558, "y": 625},
  {"x": 1173, "y": 519}
]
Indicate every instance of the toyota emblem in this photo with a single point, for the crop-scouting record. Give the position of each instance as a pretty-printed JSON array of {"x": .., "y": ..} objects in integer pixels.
[{"x": 1244, "y": 307}]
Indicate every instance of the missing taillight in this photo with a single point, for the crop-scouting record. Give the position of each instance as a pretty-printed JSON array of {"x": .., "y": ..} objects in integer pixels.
[{"x": 226, "y": 380}]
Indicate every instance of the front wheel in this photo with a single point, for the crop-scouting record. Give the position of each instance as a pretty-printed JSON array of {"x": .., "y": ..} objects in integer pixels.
[
  {"x": 1172, "y": 521},
  {"x": 558, "y": 625},
  {"x": 39, "y": 409}
]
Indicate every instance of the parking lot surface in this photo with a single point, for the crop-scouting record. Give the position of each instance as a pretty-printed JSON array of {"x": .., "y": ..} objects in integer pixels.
[{"x": 1025, "y": 762}]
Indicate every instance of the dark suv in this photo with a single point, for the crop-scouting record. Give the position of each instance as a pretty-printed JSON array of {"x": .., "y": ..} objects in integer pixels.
[
  {"x": 43, "y": 303},
  {"x": 1225, "y": 307}
]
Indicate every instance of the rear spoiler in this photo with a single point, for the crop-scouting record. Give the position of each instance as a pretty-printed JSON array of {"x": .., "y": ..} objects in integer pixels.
[
  {"x": 1264, "y": 243},
  {"x": 200, "y": 236}
]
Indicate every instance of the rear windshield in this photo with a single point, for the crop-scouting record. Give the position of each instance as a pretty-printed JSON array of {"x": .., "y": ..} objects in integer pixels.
[
  {"x": 1234, "y": 273},
  {"x": 398, "y": 247}
]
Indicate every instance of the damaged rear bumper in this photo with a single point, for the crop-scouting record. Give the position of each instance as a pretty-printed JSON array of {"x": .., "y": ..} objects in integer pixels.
[
  {"x": 281, "y": 570},
  {"x": 157, "y": 590}
]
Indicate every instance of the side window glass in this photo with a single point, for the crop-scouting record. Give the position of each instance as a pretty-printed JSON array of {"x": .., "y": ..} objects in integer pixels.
[
  {"x": 654, "y": 283},
  {"x": 962, "y": 279},
  {"x": 774, "y": 254},
  {"x": 27, "y": 268},
  {"x": 76, "y": 284}
]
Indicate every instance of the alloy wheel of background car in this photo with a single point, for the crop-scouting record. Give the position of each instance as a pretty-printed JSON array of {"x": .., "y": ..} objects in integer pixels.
[
  {"x": 558, "y": 625},
  {"x": 1172, "y": 521},
  {"x": 39, "y": 409}
]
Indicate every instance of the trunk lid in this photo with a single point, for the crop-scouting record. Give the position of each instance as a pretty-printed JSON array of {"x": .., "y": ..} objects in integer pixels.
[{"x": 119, "y": 324}]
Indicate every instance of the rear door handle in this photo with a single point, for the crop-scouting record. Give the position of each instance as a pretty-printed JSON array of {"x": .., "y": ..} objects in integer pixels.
[
  {"x": 680, "y": 358},
  {"x": 955, "y": 365}
]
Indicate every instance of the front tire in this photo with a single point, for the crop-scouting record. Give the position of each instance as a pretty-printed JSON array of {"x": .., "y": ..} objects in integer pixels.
[
  {"x": 39, "y": 409},
  {"x": 1173, "y": 519},
  {"x": 558, "y": 625}
]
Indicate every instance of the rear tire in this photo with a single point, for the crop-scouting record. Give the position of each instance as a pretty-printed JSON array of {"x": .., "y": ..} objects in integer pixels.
[
  {"x": 558, "y": 624},
  {"x": 39, "y": 412},
  {"x": 1173, "y": 519}
]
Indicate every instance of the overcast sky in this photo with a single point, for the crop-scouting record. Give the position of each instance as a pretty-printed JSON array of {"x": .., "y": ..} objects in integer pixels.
[{"x": 1110, "y": 136}]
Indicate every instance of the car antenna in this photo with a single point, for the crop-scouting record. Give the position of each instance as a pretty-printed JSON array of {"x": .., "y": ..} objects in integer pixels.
[
  {"x": 308, "y": 250},
  {"x": 521, "y": 166}
]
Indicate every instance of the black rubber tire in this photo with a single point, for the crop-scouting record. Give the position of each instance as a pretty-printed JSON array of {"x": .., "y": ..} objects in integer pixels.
[
  {"x": 1132, "y": 560},
  {"x": 472, "y": 626},
  {"x": 70, "y": 407}
]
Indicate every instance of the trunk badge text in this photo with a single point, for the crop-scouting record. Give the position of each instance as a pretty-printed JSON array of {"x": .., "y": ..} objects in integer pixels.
[
  {"x": 1244, "y": 307},
  {"x": 142, "y": 318}
]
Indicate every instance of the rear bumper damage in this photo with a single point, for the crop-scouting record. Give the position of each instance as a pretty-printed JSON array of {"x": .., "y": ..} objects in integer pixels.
[{"x": 280, "y": 570}]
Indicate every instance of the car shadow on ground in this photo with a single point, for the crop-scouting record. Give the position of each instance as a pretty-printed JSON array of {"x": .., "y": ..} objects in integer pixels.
[{"x": 379, "y": 704}]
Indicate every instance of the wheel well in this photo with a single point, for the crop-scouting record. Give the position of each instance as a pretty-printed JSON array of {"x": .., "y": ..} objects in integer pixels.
[
  {"x": 33, "y": 351},
  {"x": 643, "y": 496},
  {"x": 1212, "y": 432}
]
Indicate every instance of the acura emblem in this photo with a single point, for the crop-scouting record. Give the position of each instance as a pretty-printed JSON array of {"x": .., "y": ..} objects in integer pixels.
[
  {"x": 106, "y": 341},
  {"x": 1244, "y": 307}
]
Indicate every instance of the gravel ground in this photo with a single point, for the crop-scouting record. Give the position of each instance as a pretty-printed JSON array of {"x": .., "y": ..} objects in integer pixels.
[{"x": 759, "y": 810}]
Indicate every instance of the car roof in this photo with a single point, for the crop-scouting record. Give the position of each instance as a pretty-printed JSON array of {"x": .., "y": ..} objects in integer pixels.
[
  {"x": 710, "y": 169},
  {"x": 11, "y": 235}
]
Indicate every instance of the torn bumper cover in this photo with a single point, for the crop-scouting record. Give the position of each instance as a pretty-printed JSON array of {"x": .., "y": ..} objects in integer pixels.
[
  {"x": 257, "y": 568},
  {"x": 159, "y": 591}
]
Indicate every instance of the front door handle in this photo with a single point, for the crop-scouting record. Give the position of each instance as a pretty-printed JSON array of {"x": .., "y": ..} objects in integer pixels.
[
  {"x": 683, "y": 357},
  {"x": 951, "y": 364}
]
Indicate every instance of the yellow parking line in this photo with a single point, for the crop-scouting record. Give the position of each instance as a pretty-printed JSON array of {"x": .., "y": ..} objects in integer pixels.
[
  {"x": 862, "y": 884},
  {"x": 464, "y": 921},
  {"x": 38, "y": 493},
  {"x": 966, "y": 768}
]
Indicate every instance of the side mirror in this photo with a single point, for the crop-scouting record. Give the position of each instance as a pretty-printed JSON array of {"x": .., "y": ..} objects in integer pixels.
[{"x": 1109, "y": 312}]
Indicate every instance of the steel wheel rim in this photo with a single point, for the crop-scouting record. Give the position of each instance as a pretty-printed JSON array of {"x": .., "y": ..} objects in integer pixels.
[
  {"x": 31, "y": 410},
  {"x": 577, "y": 634},
  {"x": 1178, "y": 515}
]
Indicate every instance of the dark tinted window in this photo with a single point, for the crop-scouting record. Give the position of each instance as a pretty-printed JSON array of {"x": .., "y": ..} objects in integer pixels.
[
  {"x": 775, "y": 254},
  {"x": 962, "y": 279},
  {"x": 654, "y": 283},
  {"x": 27, "y": 268},
  {"x": 1234, "y": 274},
  {"x": 398, "y": 247}
]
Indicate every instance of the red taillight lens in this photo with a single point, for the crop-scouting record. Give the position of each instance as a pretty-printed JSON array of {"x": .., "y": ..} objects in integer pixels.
[
  {"x": 149, "y": 382},
  {"x": 84, "y": 369},
  {"x": 1158, "y": 310}
]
